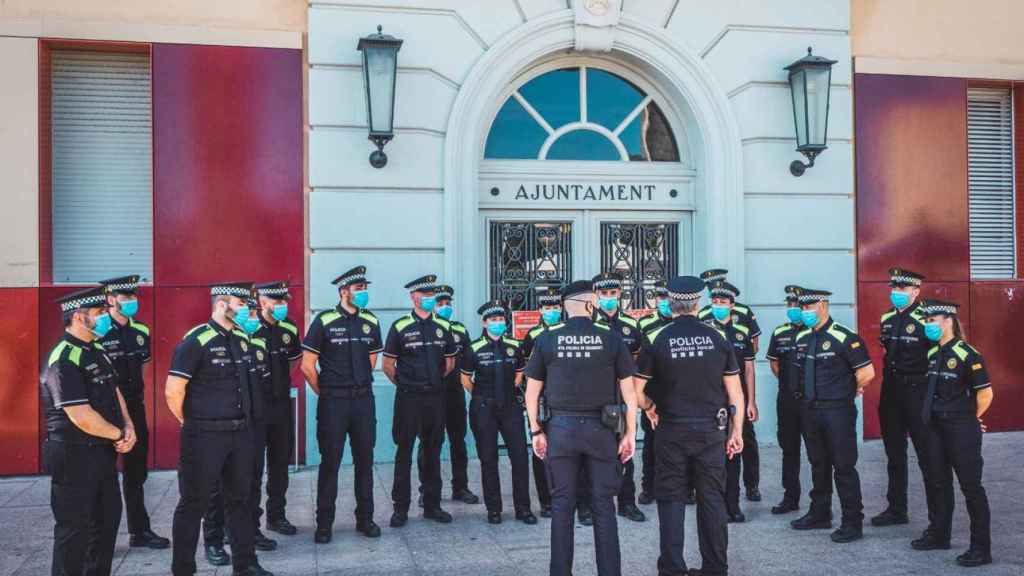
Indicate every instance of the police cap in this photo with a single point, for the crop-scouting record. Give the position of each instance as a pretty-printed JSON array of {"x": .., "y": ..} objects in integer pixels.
[
  {"x": 709, "y": 276},
  {"x": 903, "y": 277},
  {"x": 685, "y": 288},
  {"x": 722, "y": 289},
  {"x": 356, "y": 275},
  {"x": 607, "y": 281},
  {"x": 809, "y": 296},
  {"x": 939, "y": 307},
  {"x": 426, "y": 283},
  {"x": 661, "y": 289},
  {"x": 548, "y": 296},
  {"x": 121, "y": 284},
  {"x": 276, "y": 290},
  {"x": 792, "y": 293},
  {"x": 576, "y": 288},
  {"x": 444, "y": 292},
  {"x": 492, "y": 308},
  {"x": 92, "y": 297},
  {"x": 241, "y": 290}
]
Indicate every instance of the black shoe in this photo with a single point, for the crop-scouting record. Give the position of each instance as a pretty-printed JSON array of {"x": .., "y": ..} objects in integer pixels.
[
  {"x": 368, "y": 528},
  {"x": 631, "y": 512},
  {"x": 736, "y": 518},
  {"x": 890, "y": 517},
  {"x": 585, "y": 516},
  {"x": 974, "y": 557},
  {"x": 753, "y": 494},
  {"x": 847, "y": 533},
  {"x": 398, "y": 519},
  {"x": 252, "y": 570},
  {"x": 928, "y": 541},
  {"x": 262, "y": 543},
  {"x": 322, "y": 535},
  {"x": 645, "y": 498},
  {"x": 494, "y": 517},
  {"x": 147, "y": 539},
  {"x": 810, "y": 521},
  {"x": 438, "y": 515},
  {"x": 465, "y": 496},
  {"x": 785, "y": 507},
  {"x": 217, "y": 556},
  {"x": 526, "y": 517},
  {"x": 691, "y": 498},
  {"x": 282, "y": 526},
  {"x": 545, "y": 511}
]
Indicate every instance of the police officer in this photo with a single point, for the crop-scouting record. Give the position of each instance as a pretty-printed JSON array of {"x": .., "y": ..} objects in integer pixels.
[
  {"x": 491, "y": 369},
  {"x": 833, "y": 369},
  {"x": 608, "y": 287},
  {"x": 211, "y": 390},
  {"x": 904, "y": 382},
  {"x": 958, "y": 395},
  {"x": 344, "y": 341},
  {"x": 742, "y": 314},
  {"x": 127, "y": 347},
  {"x": 699, "y": 385},
  {"x": 656, "y": 319},
  {"x": 585, "y": 372},
  {"x": 723, "y": 297},
  {"x": 419, "y": 353},
  {"x": 87, "y": 425},
  {"x": 787, "y": 402},
  {"x": 549, "y": 302}
]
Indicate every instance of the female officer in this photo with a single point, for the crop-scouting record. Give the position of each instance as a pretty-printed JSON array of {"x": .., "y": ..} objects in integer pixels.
[
  {"x": 959, "y": 393},
  {"x": 492, "y": 367}
]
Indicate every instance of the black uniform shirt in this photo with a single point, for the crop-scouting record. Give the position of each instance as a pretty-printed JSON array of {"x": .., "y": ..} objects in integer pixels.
[
  {"x": 688, "y": 359},
  {"x": 781, "y": 349},
  {"x": 493, "y": 365},
  {"x": 282, "y": 347},
  {"x": 460, "y": 336},
  {"x": 649, "y": 324},
  {"x": 218, "y": 365},
  {"x": 741, "y": 314},
  {"x": 344, "y": 343},
  {"x": 580, "y": 363},
  {"x": 421, "y": 346},
  {"x": 960, "y": 372},
  {"x": 127, "y": 346},
  {"x": 531, "y": 339},
  {"x": 737, "y": 336},
  {"x": 904, "y": 342},
  {"x": 623, "y": 325},
  {"x": 261, "y": 364},
  {"x": 76, "y": 373},
  {"x": 839, "y": 352}
]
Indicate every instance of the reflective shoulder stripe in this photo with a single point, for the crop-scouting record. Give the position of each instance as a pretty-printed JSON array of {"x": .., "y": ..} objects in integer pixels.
[
  {"x": 888, "y": 315},
  {"x": 289, "y": 327},
  {"x": 259, "y": 342},
  {"x": 328, "y": 317},
  {"x": 206, "y": 335},
  {"x": 720, "y": 332},
  {"x": 704, "y": 312},
  {"x": 536, "y": 331},
  {"x": 139, "y": 326},
  {"x": 629, "y": 320},
  {"x": 933, "y": 351},
  {"x": 803, "y": 333},
  {"x": 558, "y": 326},
  {"x": 917, "y": 313},
  {"x": 195, "y": 329},
  {"x": 960, "y": 349},
  {"x": 780, "y": 329},
  {"x": 369, "y": 317},
  {"x": 602, "y": 325},
  {"x": 836, "y": 333},
  {"x": 511, "y": 342},
  {"x": 75, "y": 356},
  {"x": 653, "y": 335},
  {"x": 240, "y": 334},
  {"x": 403, "y": 322},
  {"x": 441, "y": 322},
  {"x": 458, "y": 327},
  {"x": 646, "y": 321},
  {"x": 741, "y": 308},
  {"x": 55, "y": 354},
  {"x": 478, "y": 344},
  {"x": 742, "y": 328}
]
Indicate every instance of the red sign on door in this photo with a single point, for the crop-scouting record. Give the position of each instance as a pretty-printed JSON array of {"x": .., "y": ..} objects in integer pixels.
[{"x": 523, "y": 321}]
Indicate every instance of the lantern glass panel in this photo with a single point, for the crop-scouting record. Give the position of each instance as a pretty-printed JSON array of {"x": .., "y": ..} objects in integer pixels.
[
  {"x": 379, "y": 65},
  {"x": 817, "y": 104},
  {"x": 798, "y": 87}
]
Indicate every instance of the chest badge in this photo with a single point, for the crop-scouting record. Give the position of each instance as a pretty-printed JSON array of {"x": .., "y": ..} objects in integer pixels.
[
  {"x": 911, "y": 328},
  {"x": 286, "y": 338},
  {"x": 951, "y": 363},
  {"x": 440, "y": 333},
  {"x": 826, "y": 344},
  {"x": 740, "y": 336},
  {"x": 510, "y": 352},
  {"x": 259, "y": 355},
  {"x": 140, "y": 339},
  {"x": 366, "y": 328},
  {"x": 244, "y": 346},
  {"x": 625, "y": 330}
]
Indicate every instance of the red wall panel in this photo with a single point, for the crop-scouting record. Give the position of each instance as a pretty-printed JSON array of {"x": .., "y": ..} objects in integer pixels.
[
  {"x": 996, "y": 311},
  {"x": 19, "y": 384},
  {"x": 228, "y": 167}
]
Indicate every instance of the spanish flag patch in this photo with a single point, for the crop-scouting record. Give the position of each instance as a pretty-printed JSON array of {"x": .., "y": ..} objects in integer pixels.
[
  {"x": 976, "y": 367},
  {"x": 855, "y": 345}
]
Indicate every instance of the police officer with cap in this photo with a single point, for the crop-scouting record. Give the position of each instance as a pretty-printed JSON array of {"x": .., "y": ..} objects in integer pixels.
[
  {"x": 742, "y": 311},
  {"x": 833, "y": 369},
  {"x": 659, "y": 317},
  {"x": 344, "y": 341},
  {"x": 585, "y": 372},
  {"x": 211, "y": 390},
  {"x": 127, "y": 346},
  {"x": 904, "y": 381},
  {"x": 699, "y": 386},
  {"x": 958, "y": 395},
  {"x": 787, "y": 403},
  {"x": 491, "y": 369},
  {"x": 419, "y": 353},
  {"x": 87, "y": 425}
]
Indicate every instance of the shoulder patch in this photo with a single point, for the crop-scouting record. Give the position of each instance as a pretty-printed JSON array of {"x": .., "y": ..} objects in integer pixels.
[
  {"x": 369, "y": 317},
  {"x": 441, "y": 322},
  {"x": 403, "y": 322},
  {"x": 933, "y": 351},
  {"x": 601, "y": 325},
  {"x": 511, "y": 342},
  {"x": 535, "y": 331},
  {"x": 478, "y": 344},
  {"x": 139, "y": 326},
  {"x": 204, "y": 336},
  {"x": 742, "y": 309},
  {"x": 240, "y": 334},
  {"x": 75, "y": 356},
  {"x": 259, "y": 342},
  {"x": 802, "y": 333},
  {"x": 458, "y": 327},
  {"x": 837, "y": 332},
  {"x": 289, "y": 327},
  {"x": 888, "y": 315},
  {"x": 653, "y": 334},
  {"x": 56, "y": 352},
  {"x": 629, "y": 320},
  {"x": 961, "y": 351},
  {"x": 195, "y": 329},
  {"x": 742, "y": 328},
  {"x": 328, "y": 317},
  {"x": 780, "y": 329}
]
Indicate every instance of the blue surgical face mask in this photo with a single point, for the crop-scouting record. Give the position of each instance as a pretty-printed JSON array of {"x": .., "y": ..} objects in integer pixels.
[
  {"x": 251, "y": 324},
  {"x": 445, "y": 311},
  {"x": 551, "y": 317},
  {"x": 794, "y": 315},
  {"x": 102, "y": 325},
  {"x": 427, "y": 303},
  {"x": 280, "y": 312},
  {"x": 664, "y": 308},
  {"x": 497, "y": 329},
  {"x": 720, "y": 312},
  {"x": 899, "y": 299},
  {"x": 933, "y": 331},
  {"x": 608, "y": 304},
  {"x": 241, "y": 315},
  {"x": 129, "y": 307},
  {"x": 810, "y": 318},
  {"x": 360, "y": 298}
]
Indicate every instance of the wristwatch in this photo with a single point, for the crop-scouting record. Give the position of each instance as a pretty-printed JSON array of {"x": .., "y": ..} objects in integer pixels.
[{"x": 536, "y": 432}]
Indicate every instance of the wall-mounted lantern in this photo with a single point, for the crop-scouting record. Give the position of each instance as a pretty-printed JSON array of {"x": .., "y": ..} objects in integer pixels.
[
  {"x": 380, "y": 69},
  {"x": 810, "y": 82}
]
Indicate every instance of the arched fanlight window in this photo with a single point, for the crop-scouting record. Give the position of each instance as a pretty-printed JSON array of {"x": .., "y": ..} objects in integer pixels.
[{"x": 581, "y": 114}]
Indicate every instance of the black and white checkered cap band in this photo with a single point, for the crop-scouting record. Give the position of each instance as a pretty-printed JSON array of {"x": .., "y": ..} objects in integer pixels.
[
  {"x": 715, "y": 278},
  {"x": 83, "y": 302},
  {"x": 230, "y": 291},
  {"x": 443, "y": 292},
  {"x": 933, "y": 309},
  {"x": 126, "y": 287},
  {"x": 356, "y": 278},
  {"x": 422, "y": 286},
  {"x": 812, "y": 298},
  {"x": 608, "y": 284},
  {"x": 906, "y": 280},
  {"x": 547, "y": 300},
  {"x": 688, "y": 296},
  {"x": 276, "y": 292},
  {"x": 493, "y": 310},
  {"x": 723, "y": 292}
]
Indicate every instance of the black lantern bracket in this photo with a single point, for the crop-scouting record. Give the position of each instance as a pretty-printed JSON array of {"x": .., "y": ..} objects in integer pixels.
[
  {"x": 810, "y": 85},
  {"x": 380, "y": 71}
]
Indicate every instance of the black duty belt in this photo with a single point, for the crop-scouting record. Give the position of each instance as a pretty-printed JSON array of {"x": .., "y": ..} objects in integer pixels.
[
  {"x": 419, "y": 390},
  {"x": 215, "y": 425},
  {"x": 825, "y": 404},
  {"x": 346, "y": 392},
  {"x": 688, "y": 420},
  {"x": 913, "y": 378},
  {"x": 576, "y": 413},
  {"x": 954, "y": 414},
  {"x": 72, "y": 440}
]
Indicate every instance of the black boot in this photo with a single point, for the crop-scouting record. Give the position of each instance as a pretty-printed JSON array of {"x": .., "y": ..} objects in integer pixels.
[
  {"x": 282, "y": 526},
  {"x": 262, "y": 543},
  {"x": 147, "y": 539},
  {"x": 753, "y": 494},
  {"x": 585, "y": 516},
  {"x": 545, "y": 511},
  {"x": 438, "y": 515},
  {"x": 368, "y": 528},
  {"x": 217, "y": 556},
  {"x": 890, "y": 517},
  {"x": 847, "y": 533},
  {"x": 785, "y": 507},
  {"x": 974, "y": 557},
  {"x": 812, "y": 521},
  {"x": 322, "y": 535},
  {"x": 645, "y": 498},
  {"x": 526, "y": 517},
  {"x": 631, "y": 512},
  {"x": 399, "y": 519},
  {"x": 465, "y": 496},
  {"x": 494, "y": 517},
  {"x": 929, "y": 541},
  {"x": 254, "y": 569}
]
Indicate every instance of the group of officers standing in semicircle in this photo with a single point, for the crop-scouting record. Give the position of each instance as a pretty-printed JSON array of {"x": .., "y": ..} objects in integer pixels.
[{"x": 584, "y": 376}]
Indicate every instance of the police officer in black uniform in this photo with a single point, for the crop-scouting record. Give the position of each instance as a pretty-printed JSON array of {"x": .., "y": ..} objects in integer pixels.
[
  {"x": 958, "y": 395},
  {"x": 833, "y": 369},
  {"x": 656, "y": 319},
  {"x": 419, "y": 352},
  {"x": 699, "y": 385},
  {"x": 344, "y": 341},
  {"x": 787, "y": 402},
  {"x": 127, "y": 346},
  {"x": 585, "y": 371},
  {"x": 491, "y": 369},
  {"x": 904, "y": 382},
  {"x": 723, "y": 296},
  {"x": 212, "y": 390},
  {"x": 87, "y": 425}
]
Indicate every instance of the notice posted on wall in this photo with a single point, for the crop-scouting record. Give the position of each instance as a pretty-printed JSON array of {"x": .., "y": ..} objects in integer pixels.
[{"x": 524, "y": 320}]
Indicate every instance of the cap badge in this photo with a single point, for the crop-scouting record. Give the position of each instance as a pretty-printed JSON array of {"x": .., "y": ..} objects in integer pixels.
[{"x": 951, "y": 363}]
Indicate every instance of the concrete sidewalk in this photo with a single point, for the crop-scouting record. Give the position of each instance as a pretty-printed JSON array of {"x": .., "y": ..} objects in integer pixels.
[{"x": 765, "y": 545}]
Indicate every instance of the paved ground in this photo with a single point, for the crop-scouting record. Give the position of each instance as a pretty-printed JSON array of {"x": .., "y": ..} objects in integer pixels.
[{"x": 765, "y": 545}]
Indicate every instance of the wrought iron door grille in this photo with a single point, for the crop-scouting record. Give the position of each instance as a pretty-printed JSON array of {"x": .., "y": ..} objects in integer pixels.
[
  {"x": 525, "y": 255},
  {"x": 642, "y": 254}
]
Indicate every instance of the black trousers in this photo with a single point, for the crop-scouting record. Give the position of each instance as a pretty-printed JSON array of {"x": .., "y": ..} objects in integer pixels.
[
  {"x": 831, "y": 437},
  {"x": 488, "y": 420},
  {"x": 86, "y": 501},
  {"x": 697, "y": 452},
  {"x": 280, "y": 442},
  {"x": 135, "y": 469},
  {"x": 649, "y": 455},
  {"x": 575, "y": 442},
  {"x": 336, "y": 420},
  {"x": 455, "y": 428},
  {"x": 418, "y": 415},
  {"x": 627, "y": 489},
  {"x": 209, "y": 457},
  {"x": 899, "y": 414},
  {"x": 734, "y": 467},
  {"x": 954, "y": 445},
  {"x": 788, "y": 434},
  {"x": 541, "y": 480},
  {"x": 213, "y": 518}
]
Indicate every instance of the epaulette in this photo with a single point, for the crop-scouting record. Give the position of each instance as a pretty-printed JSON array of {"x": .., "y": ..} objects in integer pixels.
[
  {"x": 803, "y": 333},
  {"x": 478, "y": 343},
  {"x": 74, "y": 356},
  {"x": 839, "y": 332},
  {"x": 511, "y": 341},
  {"x": 403, "y": 322},
  {"x": 781, "y": 329},
  {"x": 260, "y": 342},
  {"x": 554, "y": 327},
  {"x": 653, "y": 335},
  {"x": 289, "y": 326},
  {"x": 742, "y": 309},
  {"x": 627, "y": 319},
  {"x": 742, "y": 328},
  {"x": 602, "y": 326},
  {"x": 536, "y": 330},
  {"x": 139, "y": 326},
  {"x": 441, "y": 322},
  {"x": 888, "y": 314},
  {"x": 328, "y": 316},
  {"x": 961, "y": 349},
  {"x": 458, "y": 327},
  {"x": 369, "y": 317}
]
